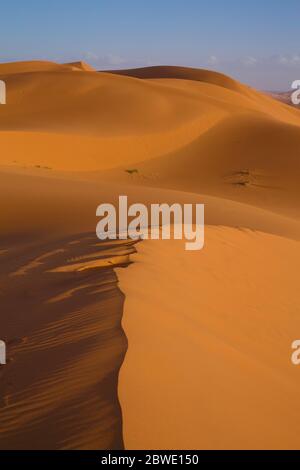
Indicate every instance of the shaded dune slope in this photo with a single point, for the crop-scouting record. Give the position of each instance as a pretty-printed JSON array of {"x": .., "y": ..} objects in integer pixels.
[{"x": 65, "y": 343}]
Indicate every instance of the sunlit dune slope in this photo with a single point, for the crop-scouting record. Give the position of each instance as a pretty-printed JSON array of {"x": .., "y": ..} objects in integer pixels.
[
  {"x": 210, "y": 333},
  {"x": 99, "y": 104}
]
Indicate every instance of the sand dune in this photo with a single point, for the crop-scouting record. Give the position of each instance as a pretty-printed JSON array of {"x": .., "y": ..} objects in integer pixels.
[
  {"x": 72, "y": 138},
  {"x": 259, "y": 164},
  {"x": 208, "y": 364},
  {"x": 42, "y": 66},
  {"x": 103, "y": 120},
  {"x": 32, "y": 66}
]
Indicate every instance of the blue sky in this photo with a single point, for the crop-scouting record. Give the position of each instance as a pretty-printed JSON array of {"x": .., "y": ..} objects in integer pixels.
[{"x": 255, "y": 41}]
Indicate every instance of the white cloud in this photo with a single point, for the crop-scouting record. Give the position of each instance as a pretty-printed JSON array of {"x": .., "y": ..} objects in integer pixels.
[
  {"x": 287, "y": 60},
  {"x": 103, "y": 60},
  {"x": 248, "y": 61},
  {"x": 90, "y": 56},
  {"x": 212, "y": 60}
]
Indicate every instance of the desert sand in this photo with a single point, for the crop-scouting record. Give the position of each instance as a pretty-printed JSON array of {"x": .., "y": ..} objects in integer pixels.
[
  {"x": 208, "y": 333},
  {"x": 208, "y": 363}
]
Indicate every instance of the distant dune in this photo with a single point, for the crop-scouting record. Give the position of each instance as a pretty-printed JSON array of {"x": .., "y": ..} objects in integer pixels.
[
  {"x": 283, "y": 96},
  {"x": 209, "y": 333},
  {"x": 31, "y": 66},
  {"x": 183, "y": 73}
]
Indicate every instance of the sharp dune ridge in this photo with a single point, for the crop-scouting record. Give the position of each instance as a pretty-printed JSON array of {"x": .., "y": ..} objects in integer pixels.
[
  {"x": 72, "y": 138},
  {"x": 65, "y": 343},
  {"x": 183, "y": 73}
]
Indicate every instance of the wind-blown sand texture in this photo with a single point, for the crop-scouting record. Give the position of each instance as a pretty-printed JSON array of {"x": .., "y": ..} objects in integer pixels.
[{"x": 209, "y": 333}]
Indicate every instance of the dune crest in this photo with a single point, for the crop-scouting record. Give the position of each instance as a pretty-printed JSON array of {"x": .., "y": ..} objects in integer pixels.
[{"x": 183, "y": 73}]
